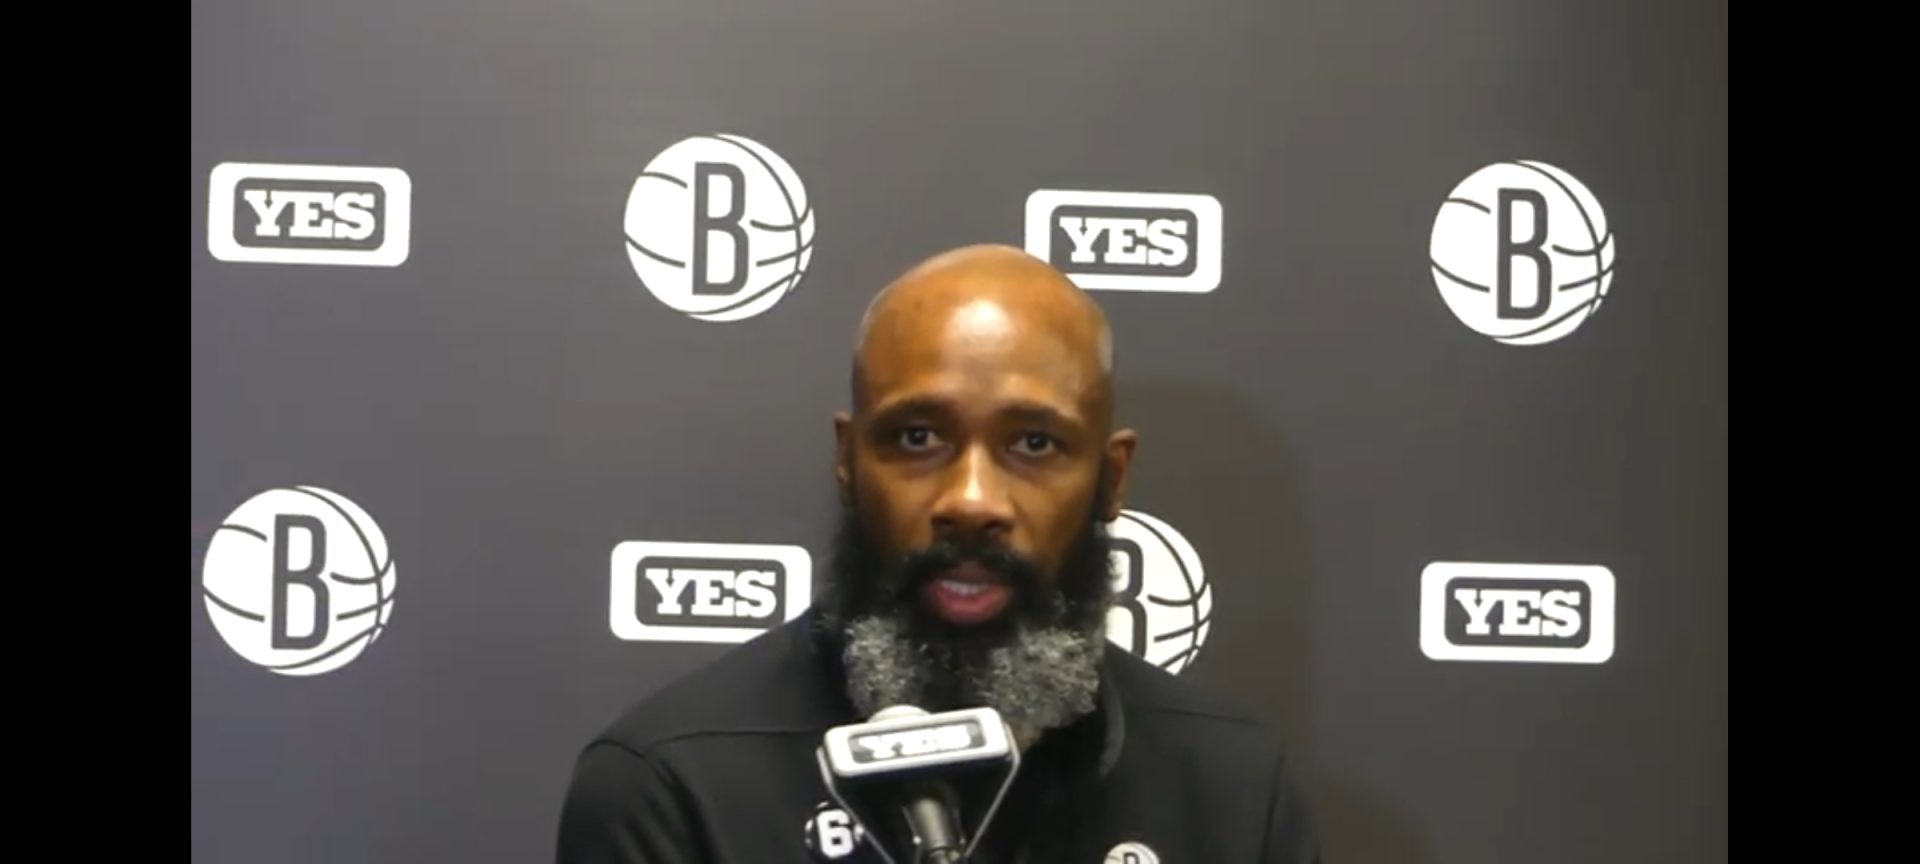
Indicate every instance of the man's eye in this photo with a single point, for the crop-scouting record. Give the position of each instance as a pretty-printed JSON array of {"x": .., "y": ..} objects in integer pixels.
[
  {"x": 1037, "y": 443},
  {"x": 916, "y": 437}
]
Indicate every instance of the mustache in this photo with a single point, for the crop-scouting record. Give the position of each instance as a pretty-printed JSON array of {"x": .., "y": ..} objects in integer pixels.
[{"x": 927, "y": 563}]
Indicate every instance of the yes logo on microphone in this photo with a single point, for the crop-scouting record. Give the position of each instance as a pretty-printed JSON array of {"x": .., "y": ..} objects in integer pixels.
[
  {"x": 706, "y": 592},
  {"x": 914, "y": 742},
  {"x": 1524, "y": 613}
]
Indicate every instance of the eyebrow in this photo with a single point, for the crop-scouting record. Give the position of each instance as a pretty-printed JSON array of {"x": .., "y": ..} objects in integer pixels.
[{"x": 1020, "y": 409}]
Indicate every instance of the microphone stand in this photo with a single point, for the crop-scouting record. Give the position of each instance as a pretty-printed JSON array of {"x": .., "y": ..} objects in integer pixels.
[{"x": 935, "y": 827}]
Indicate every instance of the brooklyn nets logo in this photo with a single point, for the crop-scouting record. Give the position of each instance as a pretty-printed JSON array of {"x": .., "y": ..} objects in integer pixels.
[
  {"x": 1521, "y": 253},
  {"x": 719, "y": 227},
  {"x": 1132, "y": 853},
  {"x": 298, "y": 580},
  {"x": 1163, "y": 606}
]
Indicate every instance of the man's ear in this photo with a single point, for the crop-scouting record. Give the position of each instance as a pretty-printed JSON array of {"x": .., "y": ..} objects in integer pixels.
[
  {"x": 1119, "y": 457},
  {"x": 843, "y": 455}
]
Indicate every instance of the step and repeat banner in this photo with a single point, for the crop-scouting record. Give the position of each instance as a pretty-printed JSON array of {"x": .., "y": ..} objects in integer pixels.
[{"x": 1420, "y": 312}]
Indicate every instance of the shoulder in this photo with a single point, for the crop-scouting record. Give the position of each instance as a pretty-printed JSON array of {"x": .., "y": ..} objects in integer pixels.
[
  {"x": 1176, "y": 717},
  {"x": 773, "y": 684},
  {"x": 1152, "y": 694},
  {"x": 1222, "y": 742}
]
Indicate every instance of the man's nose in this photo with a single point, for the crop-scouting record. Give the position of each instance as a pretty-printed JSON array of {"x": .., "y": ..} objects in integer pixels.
[{"x": 974, "y": 503}]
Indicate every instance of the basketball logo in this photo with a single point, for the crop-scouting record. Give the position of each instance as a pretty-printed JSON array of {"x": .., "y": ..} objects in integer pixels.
[
  {"x": 1521, "y": 253},
  {"x": 1132, "y": 853},
  {"x": 719, "y": 227},
  {"x": 1163, "y": 605},
  {"x": 832, "y": 835},
  {"x": 298, "y": 580}
]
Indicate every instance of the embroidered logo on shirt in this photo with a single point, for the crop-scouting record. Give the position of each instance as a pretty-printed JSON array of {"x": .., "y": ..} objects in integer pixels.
[
  {"x": 832, "y": 835},
  {"x": 1131, "y": 852}
]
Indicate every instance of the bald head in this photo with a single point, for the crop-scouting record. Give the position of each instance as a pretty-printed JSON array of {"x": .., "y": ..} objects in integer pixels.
[{"x": 988, "y": 293}]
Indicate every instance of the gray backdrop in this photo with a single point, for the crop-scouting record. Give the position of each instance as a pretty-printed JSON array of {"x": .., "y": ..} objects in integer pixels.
[{"x": 510, "y": 400}]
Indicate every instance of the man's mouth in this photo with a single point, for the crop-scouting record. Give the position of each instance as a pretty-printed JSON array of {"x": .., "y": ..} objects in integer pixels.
[
  {"x": 964, "y": 589},
  {"x": 967, "y": 594}
]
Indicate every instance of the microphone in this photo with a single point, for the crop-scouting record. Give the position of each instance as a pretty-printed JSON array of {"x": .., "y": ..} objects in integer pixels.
[
  {"x": 929, "y": 802},
  {"x": 901, "y": 769}
]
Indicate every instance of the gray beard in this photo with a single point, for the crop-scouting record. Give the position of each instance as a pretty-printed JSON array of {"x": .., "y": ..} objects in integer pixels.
[{"x": 1040, "y": 679}]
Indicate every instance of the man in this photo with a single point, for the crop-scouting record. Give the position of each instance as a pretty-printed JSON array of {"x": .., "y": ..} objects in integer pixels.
[{"x": 976, "y": 471}]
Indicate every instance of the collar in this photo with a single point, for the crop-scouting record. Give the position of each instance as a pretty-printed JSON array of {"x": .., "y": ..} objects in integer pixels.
[{"x": 1106, "y": 725}]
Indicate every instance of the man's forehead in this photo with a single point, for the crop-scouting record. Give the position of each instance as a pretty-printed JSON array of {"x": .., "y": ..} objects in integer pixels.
[
  {"x": 985, "y": 282},
  {"x": 985, "y": 317},
  {"x": 975, "y": 329},
  {"x": 978, "y": 348}
]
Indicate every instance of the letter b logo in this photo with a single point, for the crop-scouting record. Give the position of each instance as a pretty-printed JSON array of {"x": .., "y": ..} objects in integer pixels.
[
  {"x": 1521, "y": 253},
  {"x": 1132, "y": 853},
  {"x": 719, "y": 228},
  {"x": 298, "y": 580},
  {"x": 286, "y": 576}
]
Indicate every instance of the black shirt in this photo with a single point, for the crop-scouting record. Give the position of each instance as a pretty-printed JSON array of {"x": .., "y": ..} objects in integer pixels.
[{"x": 720, "y": 767}]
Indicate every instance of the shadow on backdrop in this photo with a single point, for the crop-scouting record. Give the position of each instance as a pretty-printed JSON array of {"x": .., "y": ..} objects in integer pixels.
[{"x": 1224, "y": 478}]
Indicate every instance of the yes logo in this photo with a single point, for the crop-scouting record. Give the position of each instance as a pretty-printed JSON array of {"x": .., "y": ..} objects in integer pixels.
[
  {"x": 1127, "y": 241},
  {"x": 1537, "y": 613},
  {"x": 882, "y": 746},
  {"x": 309, "y": 214},
  {"x": 706, "y": 592}
]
